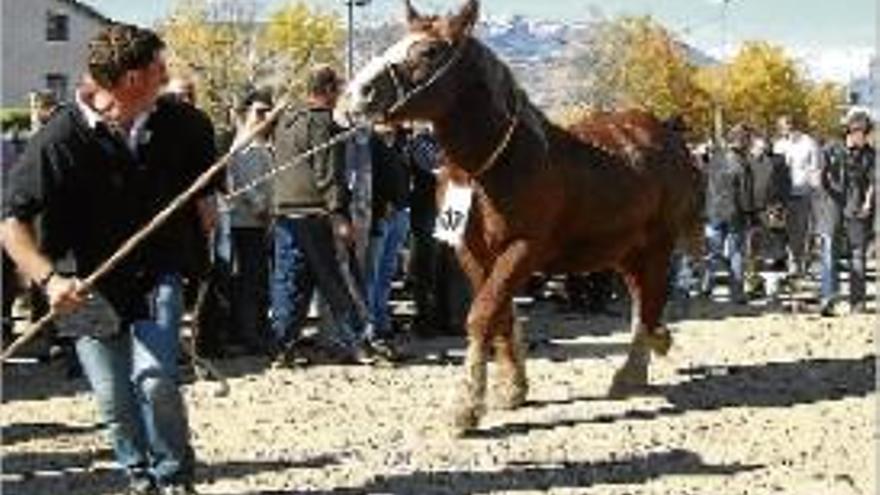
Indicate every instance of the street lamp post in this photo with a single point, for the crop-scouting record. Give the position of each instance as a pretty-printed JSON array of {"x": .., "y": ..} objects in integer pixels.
[{"x": 351, "y": 4}]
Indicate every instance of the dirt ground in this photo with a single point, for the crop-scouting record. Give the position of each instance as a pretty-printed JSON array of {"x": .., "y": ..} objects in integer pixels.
[{"x": 747, "y": 402}]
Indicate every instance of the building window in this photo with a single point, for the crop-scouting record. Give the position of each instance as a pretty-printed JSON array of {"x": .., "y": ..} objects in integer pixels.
[
  {"x": 57, "y": 83},
  {"x": 57, "y": 26}
]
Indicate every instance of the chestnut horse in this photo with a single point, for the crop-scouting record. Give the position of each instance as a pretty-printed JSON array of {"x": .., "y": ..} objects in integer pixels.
[{"x": 616, "y": 191}]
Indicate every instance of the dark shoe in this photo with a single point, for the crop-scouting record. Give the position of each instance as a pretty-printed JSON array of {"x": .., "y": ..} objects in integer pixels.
[
  {"x": 293, "y": 356},
  {"x": 826, "y": 309},
  {"x": 384, "y": 352}
]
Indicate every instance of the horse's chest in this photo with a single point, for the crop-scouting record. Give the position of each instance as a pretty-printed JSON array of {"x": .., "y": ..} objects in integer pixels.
[{"x": 498, "y": 219}]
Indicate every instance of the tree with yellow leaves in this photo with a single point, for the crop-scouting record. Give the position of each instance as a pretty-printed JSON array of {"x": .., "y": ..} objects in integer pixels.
[
  {"x": 761, "y": 84},
  {"x": 636, "y": 62},
  {"x": 825, "y": 109},
  {"x": 295, "y": 36},
  {"x": 225, "y": 47}
]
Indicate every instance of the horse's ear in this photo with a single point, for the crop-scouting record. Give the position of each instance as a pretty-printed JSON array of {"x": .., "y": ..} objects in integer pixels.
[
  {"x": 462, "y": 23},
  {"x": 412, "y": 15}
]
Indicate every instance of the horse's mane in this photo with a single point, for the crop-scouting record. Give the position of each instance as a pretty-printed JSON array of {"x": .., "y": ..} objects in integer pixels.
[{"x": 507, "y": 94}]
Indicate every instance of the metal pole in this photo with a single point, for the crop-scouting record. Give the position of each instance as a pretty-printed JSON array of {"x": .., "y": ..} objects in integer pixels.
[
  {"x": 349, "y": 67},
  {"x": 722, "y": 100}
]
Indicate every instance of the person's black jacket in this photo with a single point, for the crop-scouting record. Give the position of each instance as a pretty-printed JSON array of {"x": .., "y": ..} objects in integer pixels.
[
  {"x": 91, "y": 193},
  {"x": 390, "y": 174},
  {"x": 847, "y": 177}
]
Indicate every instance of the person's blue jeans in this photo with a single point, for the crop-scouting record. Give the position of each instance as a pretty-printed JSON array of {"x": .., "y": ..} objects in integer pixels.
[
  {"x": 304, "y": 257},
  {"x": 385, "y": 243},
  {"x": 134, "y": 377},
  {"x": 829, "y": 283},
  {"x": 725, "y": 243}
]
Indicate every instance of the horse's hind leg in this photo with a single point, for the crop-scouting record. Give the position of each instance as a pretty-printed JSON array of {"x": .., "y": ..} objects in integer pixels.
[
  {"x": 511, "y": 385},
  {"x": 646, "y": 277},
  {"x": 493, "y": 297}
]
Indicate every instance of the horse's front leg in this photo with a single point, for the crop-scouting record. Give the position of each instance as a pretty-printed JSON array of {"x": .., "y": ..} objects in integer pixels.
[
  {"x": 492, "y": 301},
  {"x": 511, "y": 386}
]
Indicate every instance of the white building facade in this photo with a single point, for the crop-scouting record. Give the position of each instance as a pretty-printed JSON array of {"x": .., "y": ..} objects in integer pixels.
[{"x": 44, "y": 47}]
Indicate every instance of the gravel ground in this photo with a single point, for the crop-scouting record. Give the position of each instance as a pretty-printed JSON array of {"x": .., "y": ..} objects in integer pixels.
[{"x": 744, "y": 404}]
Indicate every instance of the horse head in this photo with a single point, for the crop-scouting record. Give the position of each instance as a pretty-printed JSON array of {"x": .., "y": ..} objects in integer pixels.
[{"x": 419, "y": 75}]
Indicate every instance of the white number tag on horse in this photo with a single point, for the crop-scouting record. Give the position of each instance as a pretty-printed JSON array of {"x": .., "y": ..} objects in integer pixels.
[{"x": 453, "y": 216}]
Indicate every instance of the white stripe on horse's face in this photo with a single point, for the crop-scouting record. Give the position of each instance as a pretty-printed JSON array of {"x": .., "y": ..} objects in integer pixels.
[{"x": 396, "y": 54}]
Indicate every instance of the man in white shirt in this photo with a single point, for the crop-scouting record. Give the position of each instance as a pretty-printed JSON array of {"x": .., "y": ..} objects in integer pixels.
[{"x": 803, "y": 158}]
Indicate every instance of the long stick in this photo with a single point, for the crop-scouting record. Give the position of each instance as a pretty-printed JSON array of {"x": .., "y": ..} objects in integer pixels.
[{"x": 129, "y": 245}]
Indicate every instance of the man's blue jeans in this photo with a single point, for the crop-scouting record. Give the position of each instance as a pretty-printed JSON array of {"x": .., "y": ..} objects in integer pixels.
[
  {"x": 135, "y": 380},
  {"x": 304, "y": 258},
  {"x": 725, "y": 243},
  {"x": 385, "y": 243}
]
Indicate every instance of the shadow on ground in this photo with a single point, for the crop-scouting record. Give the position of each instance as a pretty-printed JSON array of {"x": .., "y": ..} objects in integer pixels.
[
  {"x": 771, "y": 385},
  {"x": 75, "y": 473},
  {"x": 540, "y": 477}
]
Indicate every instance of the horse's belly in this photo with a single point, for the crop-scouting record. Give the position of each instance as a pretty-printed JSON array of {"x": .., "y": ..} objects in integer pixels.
[{"x": 596, "y": 253}]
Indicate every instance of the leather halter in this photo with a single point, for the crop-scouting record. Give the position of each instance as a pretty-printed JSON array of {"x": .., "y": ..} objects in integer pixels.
[{"x": 403, "y": 97}]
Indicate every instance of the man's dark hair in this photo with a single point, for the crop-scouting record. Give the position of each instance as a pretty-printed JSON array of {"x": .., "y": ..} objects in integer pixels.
[
  {"x": 119, "y": 48},
  {"x": 323, "y": 80},
  {"x": 858, "y": 120}
]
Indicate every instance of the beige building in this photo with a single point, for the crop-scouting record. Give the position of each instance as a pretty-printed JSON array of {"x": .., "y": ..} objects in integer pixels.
[{"x": 44, "y": 46}]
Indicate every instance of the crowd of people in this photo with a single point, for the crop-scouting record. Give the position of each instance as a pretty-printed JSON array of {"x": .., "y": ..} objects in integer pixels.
[
  {"x": 254, "y": 258},
  {"x": 774, "y": 206}
]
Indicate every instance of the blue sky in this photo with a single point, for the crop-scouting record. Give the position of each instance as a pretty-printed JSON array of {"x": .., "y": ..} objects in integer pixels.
[{"x": 831, "y": 39}]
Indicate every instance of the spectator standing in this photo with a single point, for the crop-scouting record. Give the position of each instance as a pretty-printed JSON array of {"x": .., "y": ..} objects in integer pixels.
[
  {"x": 848, "y": 178},
  {"x": 249, "y": 216},
  {"x": 389, "y": 229},
  {"x": 728, "y": 185},
  {"x": 97, "y": 172},
  {"x": 310, "y": 204},
  {"x": 772, "y": 190},
  {"x": 43, "y": 105},
  {"x": 440, "y": 288},
  {"x": 803, "y": 157}
]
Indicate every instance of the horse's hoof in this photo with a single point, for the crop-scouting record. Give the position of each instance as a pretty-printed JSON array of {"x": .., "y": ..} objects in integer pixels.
[
  {"x": 512, "y": 397},
  {"x": 628, "y": 381},
  {"x": 620, "y": 391},
  {"x": 658, "y": 341},
  {"x": 466, "y": 419}
]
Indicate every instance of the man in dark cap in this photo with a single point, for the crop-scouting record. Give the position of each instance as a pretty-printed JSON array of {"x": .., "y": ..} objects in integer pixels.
[{"x": 848, "y": 179}]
